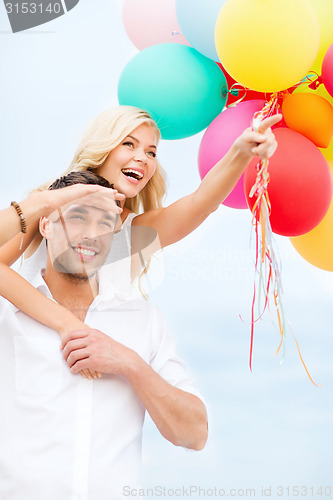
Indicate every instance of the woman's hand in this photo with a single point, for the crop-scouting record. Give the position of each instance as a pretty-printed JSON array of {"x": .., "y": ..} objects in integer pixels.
[
  {"x": 66, "y": 331},
  {"x": 261, "y": 143},
  {"x": 88, "y": 194}
]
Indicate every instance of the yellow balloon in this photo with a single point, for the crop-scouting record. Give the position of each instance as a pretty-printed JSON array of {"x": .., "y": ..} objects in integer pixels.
[
  {"x": 322, "y": 92},
  {"x": 316, "y": 246},
  {"x": 324, "y": 13},
  {"x": 267, "y": 45}
]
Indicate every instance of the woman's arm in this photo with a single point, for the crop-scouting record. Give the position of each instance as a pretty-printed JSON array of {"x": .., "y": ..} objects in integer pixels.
[
  {"x": 182, "y": 217},
  {"x": 35, "y": 206},
  {"x": 13, "y": 286},
  {"x": 34, "y": 303}
]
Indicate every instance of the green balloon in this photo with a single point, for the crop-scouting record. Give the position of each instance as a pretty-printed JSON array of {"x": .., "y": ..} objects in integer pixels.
[{"x": 182, "y": 89}]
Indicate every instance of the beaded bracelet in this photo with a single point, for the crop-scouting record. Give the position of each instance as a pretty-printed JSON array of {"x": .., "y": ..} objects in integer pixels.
[{"x": 23, "y": 222}]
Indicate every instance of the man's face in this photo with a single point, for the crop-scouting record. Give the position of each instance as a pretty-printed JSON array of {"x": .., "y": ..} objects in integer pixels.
[{"x": 79, "y": 239}]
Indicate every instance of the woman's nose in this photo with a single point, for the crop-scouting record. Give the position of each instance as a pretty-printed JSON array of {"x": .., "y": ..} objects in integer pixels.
[{"x": 140, "y": 156}]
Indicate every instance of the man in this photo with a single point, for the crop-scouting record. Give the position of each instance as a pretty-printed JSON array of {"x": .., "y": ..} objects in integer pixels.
[{"x": 66, "y": 437}]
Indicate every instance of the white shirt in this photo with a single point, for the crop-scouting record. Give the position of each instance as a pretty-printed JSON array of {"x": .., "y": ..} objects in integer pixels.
[{"x": 64, "y": 437}]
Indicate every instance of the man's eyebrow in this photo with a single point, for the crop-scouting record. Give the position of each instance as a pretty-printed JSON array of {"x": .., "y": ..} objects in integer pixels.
[
  {"x": 81, "y": 209},
  {"x": 137, "y": 140},
  {"x": 77, "y": 208}
]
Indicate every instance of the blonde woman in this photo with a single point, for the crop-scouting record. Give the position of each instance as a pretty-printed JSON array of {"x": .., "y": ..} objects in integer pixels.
[{"x": 121, "y": 146}]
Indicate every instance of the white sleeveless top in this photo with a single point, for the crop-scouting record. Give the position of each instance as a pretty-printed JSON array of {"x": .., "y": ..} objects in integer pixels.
[{"x": 114, "y": 276}]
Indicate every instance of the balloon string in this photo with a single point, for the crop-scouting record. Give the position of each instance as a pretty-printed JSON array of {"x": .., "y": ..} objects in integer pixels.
[{"x": 266, "y": 264}]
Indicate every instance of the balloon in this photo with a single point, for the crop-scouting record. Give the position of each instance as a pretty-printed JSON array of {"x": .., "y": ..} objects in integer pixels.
[
  {"x": 182, "y": 90},
  {"x": 310, "y": 115},
  {"x": 148, "y": 22},
  {"x": 247, "y": 95},
  {"x": 267, "y": 46},
  {"x": 218, "y": 138},
  {"x": 316, "y": 246},
  {"x": 300, "y": 187},
  {"x": 327, "y": 70},
  {"x": 324, "y": 13},
  {"x": 321, "y": 91},
  {"x": 197, "y": 21}
]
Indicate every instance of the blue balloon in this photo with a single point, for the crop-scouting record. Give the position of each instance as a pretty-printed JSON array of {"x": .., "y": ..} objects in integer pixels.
[
  {"x": 197, "y": 19},
  {"x": 182, "y": 89}
]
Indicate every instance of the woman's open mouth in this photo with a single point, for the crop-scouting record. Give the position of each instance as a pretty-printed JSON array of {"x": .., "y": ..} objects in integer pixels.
[{"x": 133, "y": 175}]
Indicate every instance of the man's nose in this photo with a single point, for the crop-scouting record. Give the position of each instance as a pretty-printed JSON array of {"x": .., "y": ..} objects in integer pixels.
[{"x": 89, "y": 232}]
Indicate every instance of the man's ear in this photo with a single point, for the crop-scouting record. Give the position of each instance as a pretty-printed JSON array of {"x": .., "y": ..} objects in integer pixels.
[{"x": 44, "y": 227}]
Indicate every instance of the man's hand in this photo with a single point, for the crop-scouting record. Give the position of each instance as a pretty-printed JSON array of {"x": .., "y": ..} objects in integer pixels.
[{"x": 92, "y": 349}]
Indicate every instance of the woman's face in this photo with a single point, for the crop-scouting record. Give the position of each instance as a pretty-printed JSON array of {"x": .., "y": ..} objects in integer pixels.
[{"x": 132, "y": 163}]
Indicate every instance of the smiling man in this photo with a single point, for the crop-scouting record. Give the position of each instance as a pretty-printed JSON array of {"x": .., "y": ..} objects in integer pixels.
[{"x": 66, "y": 437}]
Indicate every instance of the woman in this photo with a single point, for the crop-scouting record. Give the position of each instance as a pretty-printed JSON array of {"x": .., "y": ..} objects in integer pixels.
[{"x": 120, "y": 145}]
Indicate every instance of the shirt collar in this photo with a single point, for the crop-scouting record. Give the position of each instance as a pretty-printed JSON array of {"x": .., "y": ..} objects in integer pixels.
[{"x": 108, "y": 293}]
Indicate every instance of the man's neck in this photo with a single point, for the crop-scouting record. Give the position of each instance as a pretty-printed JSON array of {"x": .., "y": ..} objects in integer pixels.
[{"x": 76, "y": 294}]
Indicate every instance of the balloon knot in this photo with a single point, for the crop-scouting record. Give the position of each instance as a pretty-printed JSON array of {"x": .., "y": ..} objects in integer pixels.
[{"x": 314, "y": 85}]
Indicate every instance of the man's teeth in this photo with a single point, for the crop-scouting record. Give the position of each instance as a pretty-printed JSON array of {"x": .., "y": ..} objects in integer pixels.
[
  {"x": 84, "y": 251},
  {"x": 133, "y": 173}
]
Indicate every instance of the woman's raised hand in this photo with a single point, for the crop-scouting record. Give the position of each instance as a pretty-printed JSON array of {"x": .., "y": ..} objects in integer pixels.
[{"x": 261, "y": 143}]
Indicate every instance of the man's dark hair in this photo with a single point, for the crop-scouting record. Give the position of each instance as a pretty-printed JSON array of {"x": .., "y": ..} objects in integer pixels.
[{"x": 84, "y": 177}]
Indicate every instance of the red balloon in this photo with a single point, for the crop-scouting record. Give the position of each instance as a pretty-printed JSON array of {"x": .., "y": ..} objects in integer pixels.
[
  {"x": 300, "y": 187},
  {"x": 250, "y": 94}
]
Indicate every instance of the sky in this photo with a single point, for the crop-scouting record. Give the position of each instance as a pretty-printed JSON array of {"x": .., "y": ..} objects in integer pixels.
[{"x": 270, "y": 429}]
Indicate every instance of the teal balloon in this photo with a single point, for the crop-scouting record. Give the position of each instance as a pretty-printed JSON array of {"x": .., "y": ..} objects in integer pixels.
[
  {"x": 182, "y": 89},
  {"x": 197, "y": 19}
]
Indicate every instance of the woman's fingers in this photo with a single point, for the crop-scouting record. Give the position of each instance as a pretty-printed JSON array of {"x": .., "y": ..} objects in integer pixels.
[{"x": 269, "y": 122}]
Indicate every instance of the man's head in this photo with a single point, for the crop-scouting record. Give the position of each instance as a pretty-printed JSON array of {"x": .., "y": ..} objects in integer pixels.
[{"x": 79, "y": 235}]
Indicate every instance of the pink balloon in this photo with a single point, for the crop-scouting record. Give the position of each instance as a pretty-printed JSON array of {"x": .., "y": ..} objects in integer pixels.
[
  {"x": 150, "y": 22},
  {"x": 219, "y": 137},
  {"x": 327, "y": 70}
]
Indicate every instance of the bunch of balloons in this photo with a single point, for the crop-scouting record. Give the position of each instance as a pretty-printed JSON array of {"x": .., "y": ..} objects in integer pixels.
[{"x": 192, "y": 54}]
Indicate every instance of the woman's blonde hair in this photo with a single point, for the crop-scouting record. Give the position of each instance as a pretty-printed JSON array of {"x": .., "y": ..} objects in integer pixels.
[{"x": 105, "y": 133}]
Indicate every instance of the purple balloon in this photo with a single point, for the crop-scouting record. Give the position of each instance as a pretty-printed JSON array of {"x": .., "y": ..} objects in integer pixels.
[{"x": 218, "y": 139}]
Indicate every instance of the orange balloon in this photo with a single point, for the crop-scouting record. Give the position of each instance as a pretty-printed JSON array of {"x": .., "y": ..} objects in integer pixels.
[
  {"x": 327, "y": 152},
  {"x": 316, "y": 246},
  {"x": 311, "y": 115}
]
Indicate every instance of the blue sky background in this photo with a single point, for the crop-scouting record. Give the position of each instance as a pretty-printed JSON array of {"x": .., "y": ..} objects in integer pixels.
[{"x": 268, "y": 428}]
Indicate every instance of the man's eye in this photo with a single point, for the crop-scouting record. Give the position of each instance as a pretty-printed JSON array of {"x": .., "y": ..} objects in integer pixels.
[
  {"x": 76, "y": 218},
  {"x": 107, "y": 224}
]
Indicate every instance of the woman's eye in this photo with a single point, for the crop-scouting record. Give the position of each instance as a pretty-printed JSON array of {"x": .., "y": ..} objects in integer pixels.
[
  {"x": 128, "y": 144},
  {"x": 152, "y": 154}
]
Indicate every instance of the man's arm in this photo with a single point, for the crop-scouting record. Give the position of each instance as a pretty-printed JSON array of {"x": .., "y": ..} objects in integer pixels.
[{"x": 180, "y": 416}]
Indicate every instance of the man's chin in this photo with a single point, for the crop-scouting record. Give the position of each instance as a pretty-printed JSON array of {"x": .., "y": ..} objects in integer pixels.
[{"x": 74, "y": 273}]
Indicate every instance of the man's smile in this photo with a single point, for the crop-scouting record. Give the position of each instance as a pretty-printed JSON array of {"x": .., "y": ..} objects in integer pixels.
[{"x": 86, "y": 253}]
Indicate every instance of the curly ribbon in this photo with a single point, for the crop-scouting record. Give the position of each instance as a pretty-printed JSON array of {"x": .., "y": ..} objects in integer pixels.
[{"x": 266, "y": 263}]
